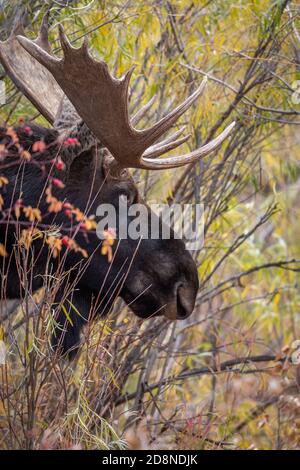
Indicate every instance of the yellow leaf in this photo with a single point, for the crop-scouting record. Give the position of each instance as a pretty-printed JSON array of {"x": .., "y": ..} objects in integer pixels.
[
  {"x": 3, "y": 181},
  {"x": 3, "y": 251},
  {"x": 67, "y": 314}
]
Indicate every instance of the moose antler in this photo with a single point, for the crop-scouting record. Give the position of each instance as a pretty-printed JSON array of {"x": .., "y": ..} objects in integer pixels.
[
  {"x": 30, "y": 77},
  {"x": 102, "y": 102}
]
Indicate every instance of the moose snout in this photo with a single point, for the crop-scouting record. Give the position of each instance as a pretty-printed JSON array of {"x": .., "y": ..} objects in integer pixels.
[{"x": 183, "y": 302}]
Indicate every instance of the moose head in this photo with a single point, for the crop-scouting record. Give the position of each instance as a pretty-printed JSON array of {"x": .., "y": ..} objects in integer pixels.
[{"x": 79, "y": 96}]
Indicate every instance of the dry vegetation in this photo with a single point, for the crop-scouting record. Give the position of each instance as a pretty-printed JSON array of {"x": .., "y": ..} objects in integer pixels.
[{"x": 227, "y": 377}]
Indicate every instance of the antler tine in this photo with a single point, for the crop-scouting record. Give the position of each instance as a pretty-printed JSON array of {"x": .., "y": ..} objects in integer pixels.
[
  {"x": 160, "y": 150},
  {"x": 141, "y": 112},
  {"x": 36, "y": 51},
  {"x": 42, "y": 38},
  {"x": 64, "y": 41},
  {"x": 170, "y": 138},
  {"x": 162, "y": 126},
  {"x": 167, "y": 144},
  {"x": 18, "y": 23},
  {"x": 181, "y": 160},
  {"x": 67, "y": 47}
]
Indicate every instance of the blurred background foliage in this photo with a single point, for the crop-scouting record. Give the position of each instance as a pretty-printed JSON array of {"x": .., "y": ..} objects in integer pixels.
[{"x": 248, "y": 305}]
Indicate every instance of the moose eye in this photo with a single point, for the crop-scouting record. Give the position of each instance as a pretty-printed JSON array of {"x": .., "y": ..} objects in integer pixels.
[{"x": 124, "y": 173}]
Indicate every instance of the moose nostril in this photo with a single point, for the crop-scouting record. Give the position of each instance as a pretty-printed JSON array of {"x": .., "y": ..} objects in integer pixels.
[{"x": 184, "y": 305}]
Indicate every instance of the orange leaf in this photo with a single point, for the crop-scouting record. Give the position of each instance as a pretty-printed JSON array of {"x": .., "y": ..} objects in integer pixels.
[
  {"x": 3, "y": 251},
  {"x": 39, "y": 146}
]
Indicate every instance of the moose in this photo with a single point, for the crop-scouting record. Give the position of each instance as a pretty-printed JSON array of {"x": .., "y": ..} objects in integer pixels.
[{"x": 82, "y": 101}]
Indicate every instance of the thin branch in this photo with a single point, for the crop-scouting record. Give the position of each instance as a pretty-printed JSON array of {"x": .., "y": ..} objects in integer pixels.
[{"x": 226, "y": 366}]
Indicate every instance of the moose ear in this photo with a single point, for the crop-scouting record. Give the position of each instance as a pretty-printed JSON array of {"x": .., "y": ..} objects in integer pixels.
[{"x": 28, "y": 75}]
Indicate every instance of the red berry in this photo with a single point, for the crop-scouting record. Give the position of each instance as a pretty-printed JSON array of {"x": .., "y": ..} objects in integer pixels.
[
  {"x": 60, "y": 164},
  {"x": 71, "y": 141},
  {"x": 65, "y": 241},
  {"x": 58, "y": 183}
]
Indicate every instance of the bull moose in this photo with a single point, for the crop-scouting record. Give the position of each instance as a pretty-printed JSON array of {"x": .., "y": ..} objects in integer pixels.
[{"x": 84, "y": 102}]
